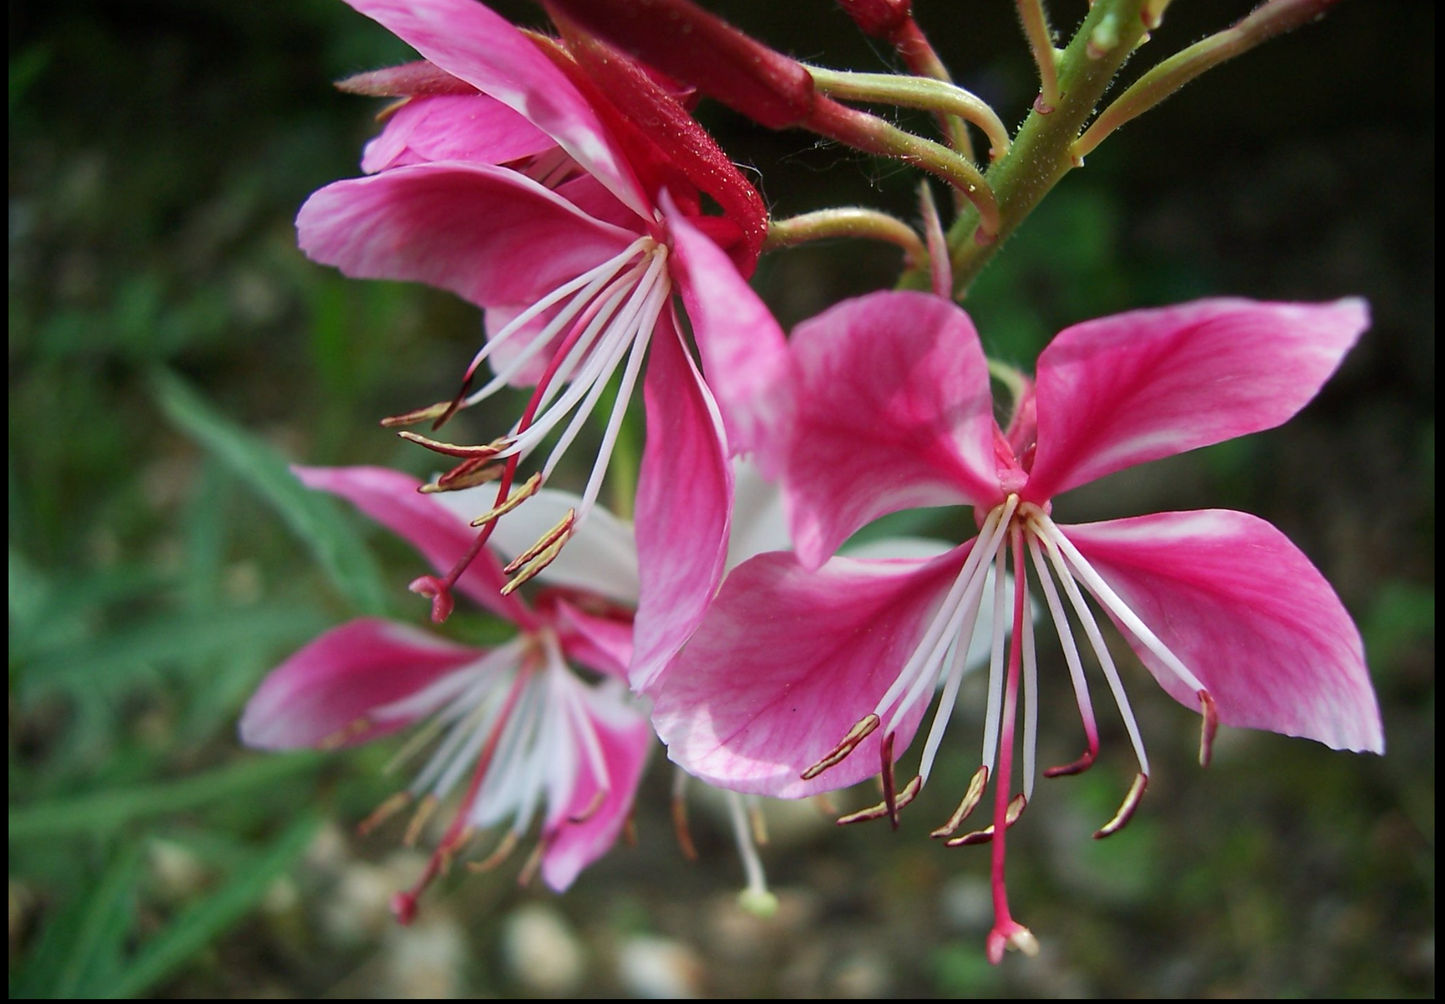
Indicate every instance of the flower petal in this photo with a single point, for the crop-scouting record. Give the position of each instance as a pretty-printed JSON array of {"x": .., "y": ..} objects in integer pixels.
[
  {"x": 743, "y": 352},
  {"x": 1248, "y": 614},
  {"x": 332, "y": 683},
  {"x": 684, "y": 495},
  {"x": 1147, "y": 384},
  {"x": 893, "y": 412},
  {"x": 759, "y": 520},
  {"x": 599, "y": 640},
  {"x": 469, "y": 127},
  {"x": 391, "y": 498},
  {"x": 471, "y": 42},
  {"x": 582, "y": 832},
  {"x": 789, "y": 660},
  {"x": 488, "y": 234}
]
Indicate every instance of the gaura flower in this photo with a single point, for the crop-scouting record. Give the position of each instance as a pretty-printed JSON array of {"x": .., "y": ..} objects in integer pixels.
[
  {"x": 560, "y": 188},
  {"x": 810, "y": 673},
  {"x": 514, "y": 729}
]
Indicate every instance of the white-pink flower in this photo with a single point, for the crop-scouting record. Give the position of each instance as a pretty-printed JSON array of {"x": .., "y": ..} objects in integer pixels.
[
  {"x": 572, "y": 211},
  {"x": 810, "y": 673},
  {"x": 513, "y": 733}
]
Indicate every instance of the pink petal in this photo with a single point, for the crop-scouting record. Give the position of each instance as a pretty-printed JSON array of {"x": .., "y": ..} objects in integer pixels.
[
  {"x": 442, "y": 537},
  {"x": 1248, "y": 614},
  {"x": 601, "y": 641},
  {"x": 789, "y": 660},
  {"x": 496, "y": 317},
  {"x": 1147, "y": 384},
  {"x": 333, "y": 683},
  {"x": 469, "y": 127},
  {"x": 893, "y": 412},
  {"x": 684, "y": 495},
  {"x": 742, "y": 347},
  {"x": 471, "y": 42},
  {"x": 486, "y": 233},
  {"x": 582, "y": 832}
]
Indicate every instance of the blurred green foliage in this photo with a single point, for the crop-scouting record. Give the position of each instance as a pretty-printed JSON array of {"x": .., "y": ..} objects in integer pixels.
[{"x": 171, "y": 353}]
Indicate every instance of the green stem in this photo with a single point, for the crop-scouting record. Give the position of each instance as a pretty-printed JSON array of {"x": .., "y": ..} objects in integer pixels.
[
  {"x": 1041, "y": 44},
  {"x": 1041, "y": 153},
  {"x": 916, "y": 92},
  {"x": 847, "y": 221}
]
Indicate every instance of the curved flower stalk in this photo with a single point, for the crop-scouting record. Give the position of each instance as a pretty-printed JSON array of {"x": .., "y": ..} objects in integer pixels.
[
  {"x": 560, "y": 188},
  {"x": 810, "y": 673},
  {"x": 514, "y": 732}
]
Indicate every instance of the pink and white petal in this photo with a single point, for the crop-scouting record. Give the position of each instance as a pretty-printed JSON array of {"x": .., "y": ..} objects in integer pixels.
[
  {"x": 788, "y": 661},
  {"x": 1134, "y": 387},
  {"x": 760, "y": 521},
  {"x": 333, "y": 684},
  {"x": 488, "y": 234},
  {"x": 391, "y": 498},
  {"x": 467, "y": 127},
  {"x": 743, "y": 352},
  {"x": 600, "y": 641},
  {"x": 469, "y": 41},
  {"x": 1248, "y": 614},
  {"x": 589, "y": 195},
  {"x": 601, "y": 559},
  {"x": 582, "y": 832},
  {"x": 684, "y": 499},
  {"x": 893, "y": 412}
]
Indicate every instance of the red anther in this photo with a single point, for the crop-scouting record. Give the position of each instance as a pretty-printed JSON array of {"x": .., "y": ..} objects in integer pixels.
[
  {"x": 695, "y": 47},
  {"x": 467, "y": 474},
  {"x": 482, "y": 451},
  {"x": 1016, "y": 807},
  {"x": 1126, "y": 811},
  {"x": 426, "y": 414},
  {"x": 1208, "y": 729},
  {"x": 405, "y": 81},
  {"x": 1077, "y": 767},
  {"x": 890, "y": 796},
  {"x": 440, "y": 594},
  {"x": 846, "y": 745},
  {"x": 879, "y": 18}
]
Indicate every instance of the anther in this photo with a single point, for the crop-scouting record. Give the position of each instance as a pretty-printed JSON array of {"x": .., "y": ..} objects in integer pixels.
[
  {"x": 591, "y": 808},
  {"x": 1011, "y": 815},
  {"x": 467, "y": 474},
  {"x": 426, "y": 414},
  {"x": 483, "y": 450},
  {"x": 424, "y": 810},
  {"x": 681, "y": 829},
  {"x": 533, "y": 863},
  {"x": 448, "y": 852},
  {"x": 345, "y": 734},
  {"x": 905, "y": 795},
  {"x": 514, "y": 498},
  {"x": 758, "y": 824},
  {"x": 890, "y": 799},
  {"x": 1208, "y": 728},
  {"x": 502, "y": 851},
  {"x": 539, "y": 555},
  {"x": 970, "y": 801},
  {"x": 383, "y": 812},
  {"x": 1126, "y": 811},
  {"x": 846, "y": 745},
  {"x": 1077, "y": 767}
]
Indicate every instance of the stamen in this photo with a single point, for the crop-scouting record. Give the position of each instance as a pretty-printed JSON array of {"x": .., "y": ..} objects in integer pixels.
[
  {"x": 995, "y": 699},
  {"x": 424, "y": 810},
  {"x": 759, "y": 824},
  {"x": 515, "y": 498},
  {"x": 484, "y": 451},
  {"x": 467, "y": 474},
  {"x": 1031, "y": 680},
  {"x": 1126, "y": 811},
  {"x": 971, "y": 798},
  {"x": 531, "y": 865},
  {"x": 846, "y": 745},
  {"x": 755, "y": 898},
  {"x": 679, "y": 815},
  {"x": 1076, "y": 667},
  {"x": 540, "y": 559},
  {"x": 502, "y": 851},
  {"x": 346, "y": 733},
  {"x": 448, "y": 853},
  {"x": 1016, "y": 808},
  {"x": 590, "y": 809},
  {"x": 906, "y": 794},
  {"x": 890, "y": 799},
  {"x": 393, "y": 804},
  {"x": 1208, "y": 728},
  {"x": 416, "y": 416}
]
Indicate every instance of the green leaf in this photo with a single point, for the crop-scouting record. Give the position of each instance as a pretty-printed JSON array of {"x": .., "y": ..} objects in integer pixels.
[
  {"x": 312, "y": 516},
  {"x": 109, "y": 914},
  {"x": 199, "y": 925},
  {"x": 100, "y": 812}
]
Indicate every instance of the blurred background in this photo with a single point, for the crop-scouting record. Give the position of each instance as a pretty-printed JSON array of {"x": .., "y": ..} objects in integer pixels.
[{"x": 171, "y": 352}]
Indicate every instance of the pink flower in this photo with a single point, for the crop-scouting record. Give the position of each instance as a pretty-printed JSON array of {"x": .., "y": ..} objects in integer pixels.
[
  {"x": 513, "y": 730},
  {"x": 810, "y": 673},
  {"x": 571, "y": 217}
]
